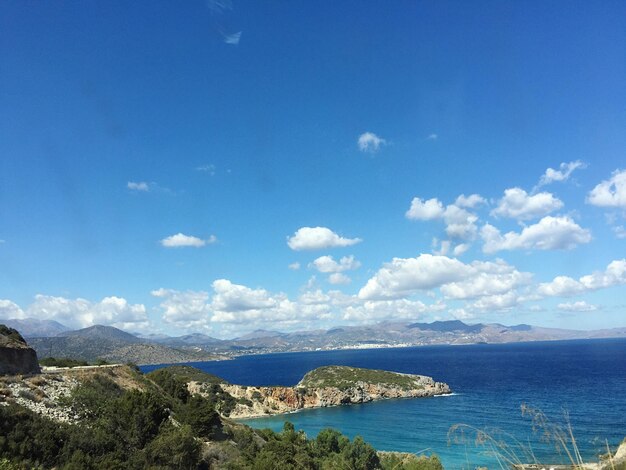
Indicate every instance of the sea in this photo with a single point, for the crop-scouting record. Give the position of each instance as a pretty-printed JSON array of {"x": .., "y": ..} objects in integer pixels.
[{"x": 515, "y": 398}]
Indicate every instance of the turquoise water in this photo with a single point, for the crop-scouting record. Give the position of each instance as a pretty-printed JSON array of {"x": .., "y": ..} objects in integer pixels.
[{"x": 586, "y": 379}]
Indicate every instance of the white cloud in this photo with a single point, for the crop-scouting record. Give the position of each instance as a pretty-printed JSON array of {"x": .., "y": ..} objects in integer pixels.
[
  {"x": 238, "y": 304},
  {"x": 231, "y": 297},
  {"x": 432, "y": 137},
  {"x": 370, "y": 142},
  {"x": 327, "y": 264},
  {"x": 611, "y": 192},
  {"x": 497, "y": 302},
  {"x": 404, "y": 276},
  {"x": 562, "y": 174},
  {"x": 518, "y": 204},
  {"x": 470, "y": 201},
  {"x": 182, "y": 240},
  {"x": 401, "y": 309},
  {"x": 613, "y": 275},
  {"x": 550, "y": 233},
  {"x": 138, "y": 186},
  {"x": 425, "y": 210},
  {"x": 317, "y": 238},
  {"x": 294, "y": 266},
  {"x": 10, "y": 310},
  {"x": 564, "y": 286},
  {"x": 187, "y": 309},
  {"x": 487, "y": 279},
  {"x": 314, "y": 297},
  {"x": 339, "y": 278},
  {"x": 441, "y": 249},
  {"x": 460, "y": 224},
  {"x": 580, "y": 306},
  {"x": 81, "y": 313},
  {"x": 460, "y": 249},
  {"x": 620, "y": 231},
  {"x": 561, "y": 286},
  {"x": 492, "y": 285},
  {"x": 461, "y": 314}
]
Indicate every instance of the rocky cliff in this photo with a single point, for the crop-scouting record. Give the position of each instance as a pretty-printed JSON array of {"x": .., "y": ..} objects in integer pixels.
[
  {"x": 328, "y": 386},
  {"x": 16, "y": 357}
]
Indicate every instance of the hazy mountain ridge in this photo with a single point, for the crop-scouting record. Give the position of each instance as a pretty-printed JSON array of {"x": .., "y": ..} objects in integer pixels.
[
  {"x": 116, "y": 345},
  {"x": 35, "y": 328}
]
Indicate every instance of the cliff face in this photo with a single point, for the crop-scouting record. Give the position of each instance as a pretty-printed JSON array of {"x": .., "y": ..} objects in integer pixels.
[
  {"x": 262, "y": 401},
  {"x": 15, "y": 355}
]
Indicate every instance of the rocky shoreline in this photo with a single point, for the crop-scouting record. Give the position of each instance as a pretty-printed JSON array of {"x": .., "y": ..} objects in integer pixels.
[{"x": 254, "y": 402}]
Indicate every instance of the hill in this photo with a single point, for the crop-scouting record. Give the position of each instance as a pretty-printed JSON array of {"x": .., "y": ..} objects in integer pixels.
[
  {"x": 115, "y": 417},
  {"x": 35, "y": 328},
  {"x": 114, "y": 345},
  {"x": 101, "y": 332}
]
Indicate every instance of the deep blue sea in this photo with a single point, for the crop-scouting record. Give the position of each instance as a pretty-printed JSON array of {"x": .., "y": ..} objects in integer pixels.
[{"x": 585, "y": 379}]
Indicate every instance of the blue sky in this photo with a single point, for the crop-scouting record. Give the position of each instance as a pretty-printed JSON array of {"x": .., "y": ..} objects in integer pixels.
[{"x": 166, "y": 167}]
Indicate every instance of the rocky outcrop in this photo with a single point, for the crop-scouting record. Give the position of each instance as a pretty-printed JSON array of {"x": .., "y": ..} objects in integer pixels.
[
  {"x": 16, "y": 357},
  {"x": 263, "y": 401}
]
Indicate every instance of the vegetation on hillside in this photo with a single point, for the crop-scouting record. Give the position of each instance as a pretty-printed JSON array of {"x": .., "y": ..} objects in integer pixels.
[
  {"x": 153, "y": 421},
  {"x": 343, "y": 377},
  {"x": 11, "y": 334}
]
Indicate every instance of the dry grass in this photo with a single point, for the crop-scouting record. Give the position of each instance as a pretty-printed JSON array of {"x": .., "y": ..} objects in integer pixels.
[{"x": 510, "y": 452}]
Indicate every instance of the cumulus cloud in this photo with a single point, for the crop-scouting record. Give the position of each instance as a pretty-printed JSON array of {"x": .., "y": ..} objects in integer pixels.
[
  {"x": 460, "y": 249},
  {"x": 294, "y": 266},
  {"x": 81, "y": 313},
  {"x": 182, "y": 240},
  {"x": 339, "y": 278},
  {"x": 404, "y": 276},
  {"x": 611, "y": 192},
  {"x": 550, "y": 233},
  {"x": 460, "y": 223},
  {"x": 564, "y": 286},
  {"x": 401, "y": 309},
  {"x": 432, "y": 137},
  {"x": 497, "y": 302},
  {"x": 470, "y": 201},
  {"x": 317, "y": 238},
  {"x": 490, "y": 285},
  {"x": 562, "y": 174},
  {"x": 486, "y": 279},
  {"x": 370, "y": 142},
  {"x": 327, "y": 264},
  {"x": 138, "y": 186},
  {"x": 187, "y": 309},
  {"x": 619, "y": 231},
  {"x": 425, "y": 210},
  {"x": 238, "y": 304},
  {"x": 518, "y": 204},
  {"x": 10, "y": 310},
  {"x": 561, "y": 286},
  {"x": 580, "y": 306}
]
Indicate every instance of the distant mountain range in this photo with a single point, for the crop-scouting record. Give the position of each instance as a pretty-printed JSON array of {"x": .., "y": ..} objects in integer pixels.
[
  {"x": 112, "y": 344},
  {"x": 34, "y": 328}
]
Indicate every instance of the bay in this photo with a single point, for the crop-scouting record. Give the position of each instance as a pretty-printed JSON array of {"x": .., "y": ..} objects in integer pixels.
[{"x": 580, "y": 382}]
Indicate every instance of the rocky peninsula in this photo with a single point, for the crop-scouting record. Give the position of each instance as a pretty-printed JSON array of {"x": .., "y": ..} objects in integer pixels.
[{"x": 323, "y": 387}]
